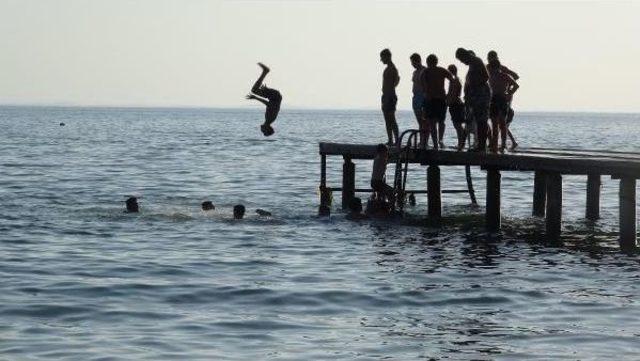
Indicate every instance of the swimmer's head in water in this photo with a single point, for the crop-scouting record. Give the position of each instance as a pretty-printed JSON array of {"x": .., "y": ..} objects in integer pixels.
[
  {"x": 132, "y": 205},
  {"x": 355, "y": 205},
  {"x": 385, "y": 56},
  {"x": 432, "y": 60},
  {"x": 238, "y": 211},
  {"x": 208, "y": 206},
  {"x": 267, "y": 130}
]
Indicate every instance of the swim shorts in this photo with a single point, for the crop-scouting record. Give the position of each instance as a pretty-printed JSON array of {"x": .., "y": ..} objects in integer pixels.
[
  {"x": 418, "y": 102},
  {"x": 478, "y": 101},
  {"x": 499, "y": 106},
  {"x": 456, "y": 110},
  {"x": 435, "y": 109},
  {"x": 389, "y": 102}
]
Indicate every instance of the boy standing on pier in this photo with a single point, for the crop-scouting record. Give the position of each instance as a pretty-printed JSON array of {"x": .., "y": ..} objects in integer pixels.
[
  {"x": 436, "y": 99},
  {"x": 456, "y": 107},
  {"x": 390, "y": 80},
  {"x": 502, "y": 87},
  {"x": 492, "y": 56},
  {"x": 418, "y": 98},
  {"x": 477, "y": 93}
]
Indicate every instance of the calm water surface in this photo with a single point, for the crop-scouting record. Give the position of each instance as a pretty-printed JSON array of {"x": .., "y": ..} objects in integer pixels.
[{"x": 81, "y": 280}]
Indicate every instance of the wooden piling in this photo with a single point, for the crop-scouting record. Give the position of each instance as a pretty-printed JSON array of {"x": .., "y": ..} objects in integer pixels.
[
  {"x": 348, "y": 182},
  {"x": 593, "y": 197},
  {"x": 325, "y": 194},
  {"x": 492, "y": 213},
  {"x": 539, "y": 194},
  {"x": 628, "y": 213},
  {"x": 434, "y": 202},
  {"x": 554, "y": 206}
]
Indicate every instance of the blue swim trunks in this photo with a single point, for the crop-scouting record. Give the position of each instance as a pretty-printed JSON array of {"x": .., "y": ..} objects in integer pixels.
[{"x": 418, "y": 102}]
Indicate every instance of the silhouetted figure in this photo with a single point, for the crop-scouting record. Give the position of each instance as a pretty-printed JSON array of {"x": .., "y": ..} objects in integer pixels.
[
  {"x": 412, "y": 199},
  {"x": 62, "y": 124},
  {"x": 238, "y": 211},
  {"x": 355, "y": 210},
  {"x": 492, "y": 55},
  {"x": 208, "y": 206},
  {"x": 132, "y": 205},
  {"x": 418, "y": 98},
  {"x": 263, "y": 213},
  {"x": 435, "y": 105},
  {"x": 456, "y": 107},
  {"x": 502, "y": 88},
  {"x": 324, "y": 211},
  {"x": 378, "y": 173},
  {"x": 477, "y": 93},
  {"x": 390, "y": 80},
  {"x": 269, "y": 97}
]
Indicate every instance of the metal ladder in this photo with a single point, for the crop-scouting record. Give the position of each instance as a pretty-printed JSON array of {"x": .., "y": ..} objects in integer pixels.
[{"x": 402, "y": 169}]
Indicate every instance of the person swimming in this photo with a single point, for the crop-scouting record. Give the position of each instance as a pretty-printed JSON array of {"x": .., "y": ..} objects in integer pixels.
[
  {"x": 208, "y": 206},
  {"x": 269, "y": 97},
  {"x": 132, "y": 205}
]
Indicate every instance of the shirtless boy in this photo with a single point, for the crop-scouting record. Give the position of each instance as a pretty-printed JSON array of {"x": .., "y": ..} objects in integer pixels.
[
  {"x": 269, "y": 97},
  {"x": 477, "y": 93},
  {"x": 418, "y": 98},
  {"x": 390, "y": 80},
  {"x": 502, "y": 87},
  {"x": 435, "y": 98},
  {"x": 456, "y": 107}
]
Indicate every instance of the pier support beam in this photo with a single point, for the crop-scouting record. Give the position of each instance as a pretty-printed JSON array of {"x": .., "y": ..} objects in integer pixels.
[
  {"x": 628, "y": 214},
  {"x": 593, "y": 197},
  {"x": 493, "y": 216},
  {"x": 348, "y": 182},
  {"x": 554, "y": 206},
  {"x": 539, "y": 194},
  {"x": 434, "y": 201},
  {"x": 325, "y": 195}
]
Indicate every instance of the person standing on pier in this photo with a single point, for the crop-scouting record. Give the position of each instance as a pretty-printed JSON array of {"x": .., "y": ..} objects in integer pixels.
[
  {"x": 491, "y": 56},
  {"x": 269, "y": 97},
  {"x": 418, "y": 99},
  {"x": 390, "y": 80},
  {"x": 456, "y": 107},
  {"x": 435, "y": 98},
  {"x": 477, "y": 93},
  {"x": 502, "y": 87}
]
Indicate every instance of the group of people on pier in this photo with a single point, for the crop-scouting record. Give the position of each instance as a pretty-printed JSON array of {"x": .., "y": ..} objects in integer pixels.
[{"x": 488, "y": 92}]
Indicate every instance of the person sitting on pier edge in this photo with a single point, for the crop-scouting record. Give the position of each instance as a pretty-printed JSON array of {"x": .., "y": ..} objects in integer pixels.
[
  {"x": 378, "y": 173},
  {"x": 132, "y": 205},
  {"x": 418, "y": 99},
  {"x": 238, "y": 211},
  {"x": 355, "y": 210},
  {"x": 269, "y": 97},
  {"x": 390, "y": 80},
  {"x": 456, "y": 107},
  {"x": 502, "y": 88},
  {"x": 435, "y": 105},
  {"x": 477, "y": 93}
]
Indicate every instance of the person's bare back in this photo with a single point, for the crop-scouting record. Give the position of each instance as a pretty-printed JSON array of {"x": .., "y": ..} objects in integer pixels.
[
  {"x": 433, "y": 82},
  {"x": 390, "y": 79}
]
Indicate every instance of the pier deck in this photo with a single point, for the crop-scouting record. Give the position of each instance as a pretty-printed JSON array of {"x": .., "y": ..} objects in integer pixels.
[{"x": 548, "y": 164}]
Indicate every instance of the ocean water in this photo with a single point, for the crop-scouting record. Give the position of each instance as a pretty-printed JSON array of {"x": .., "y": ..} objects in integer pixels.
[{"x": 81, "y": 280}]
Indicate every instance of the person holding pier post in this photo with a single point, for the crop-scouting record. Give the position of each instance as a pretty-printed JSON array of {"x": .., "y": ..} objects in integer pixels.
[
  {"x": 502, "y": 87},
  {"x": 435, "y": 105},
  {"x": 378, "y": 173},
  {"x": 477, "y": 93},
  {"x": 456, "y": 107},
  {"x": 269, "y": 97},
  {"x": 418, "y": 99},
  {"x": 390, "y": 80}
]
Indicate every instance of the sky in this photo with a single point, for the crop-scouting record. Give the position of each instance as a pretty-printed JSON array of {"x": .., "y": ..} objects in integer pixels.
[{"x": 571, "y": 56}]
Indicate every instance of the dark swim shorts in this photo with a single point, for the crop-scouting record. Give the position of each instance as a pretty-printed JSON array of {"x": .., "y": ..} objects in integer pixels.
[
  {"x": 435, "y": 109},
  {"x": 499, "y": 106},
  {"x": 457, "y": 111},
  {"x": 389, "y": 102}
]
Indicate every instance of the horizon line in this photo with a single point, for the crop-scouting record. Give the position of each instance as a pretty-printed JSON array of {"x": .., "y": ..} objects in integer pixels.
[{"x": 251, "y": 107}]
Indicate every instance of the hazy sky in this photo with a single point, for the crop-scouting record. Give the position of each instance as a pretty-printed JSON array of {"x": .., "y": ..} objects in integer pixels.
[{"x": 572, "y": 56}]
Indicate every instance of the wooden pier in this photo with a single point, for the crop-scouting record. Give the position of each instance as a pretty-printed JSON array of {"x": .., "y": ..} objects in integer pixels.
[{"x": 549, "y": 165}]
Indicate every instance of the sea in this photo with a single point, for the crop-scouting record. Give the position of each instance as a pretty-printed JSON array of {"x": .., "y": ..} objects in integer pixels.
[{"x": 80, "y": 279}]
